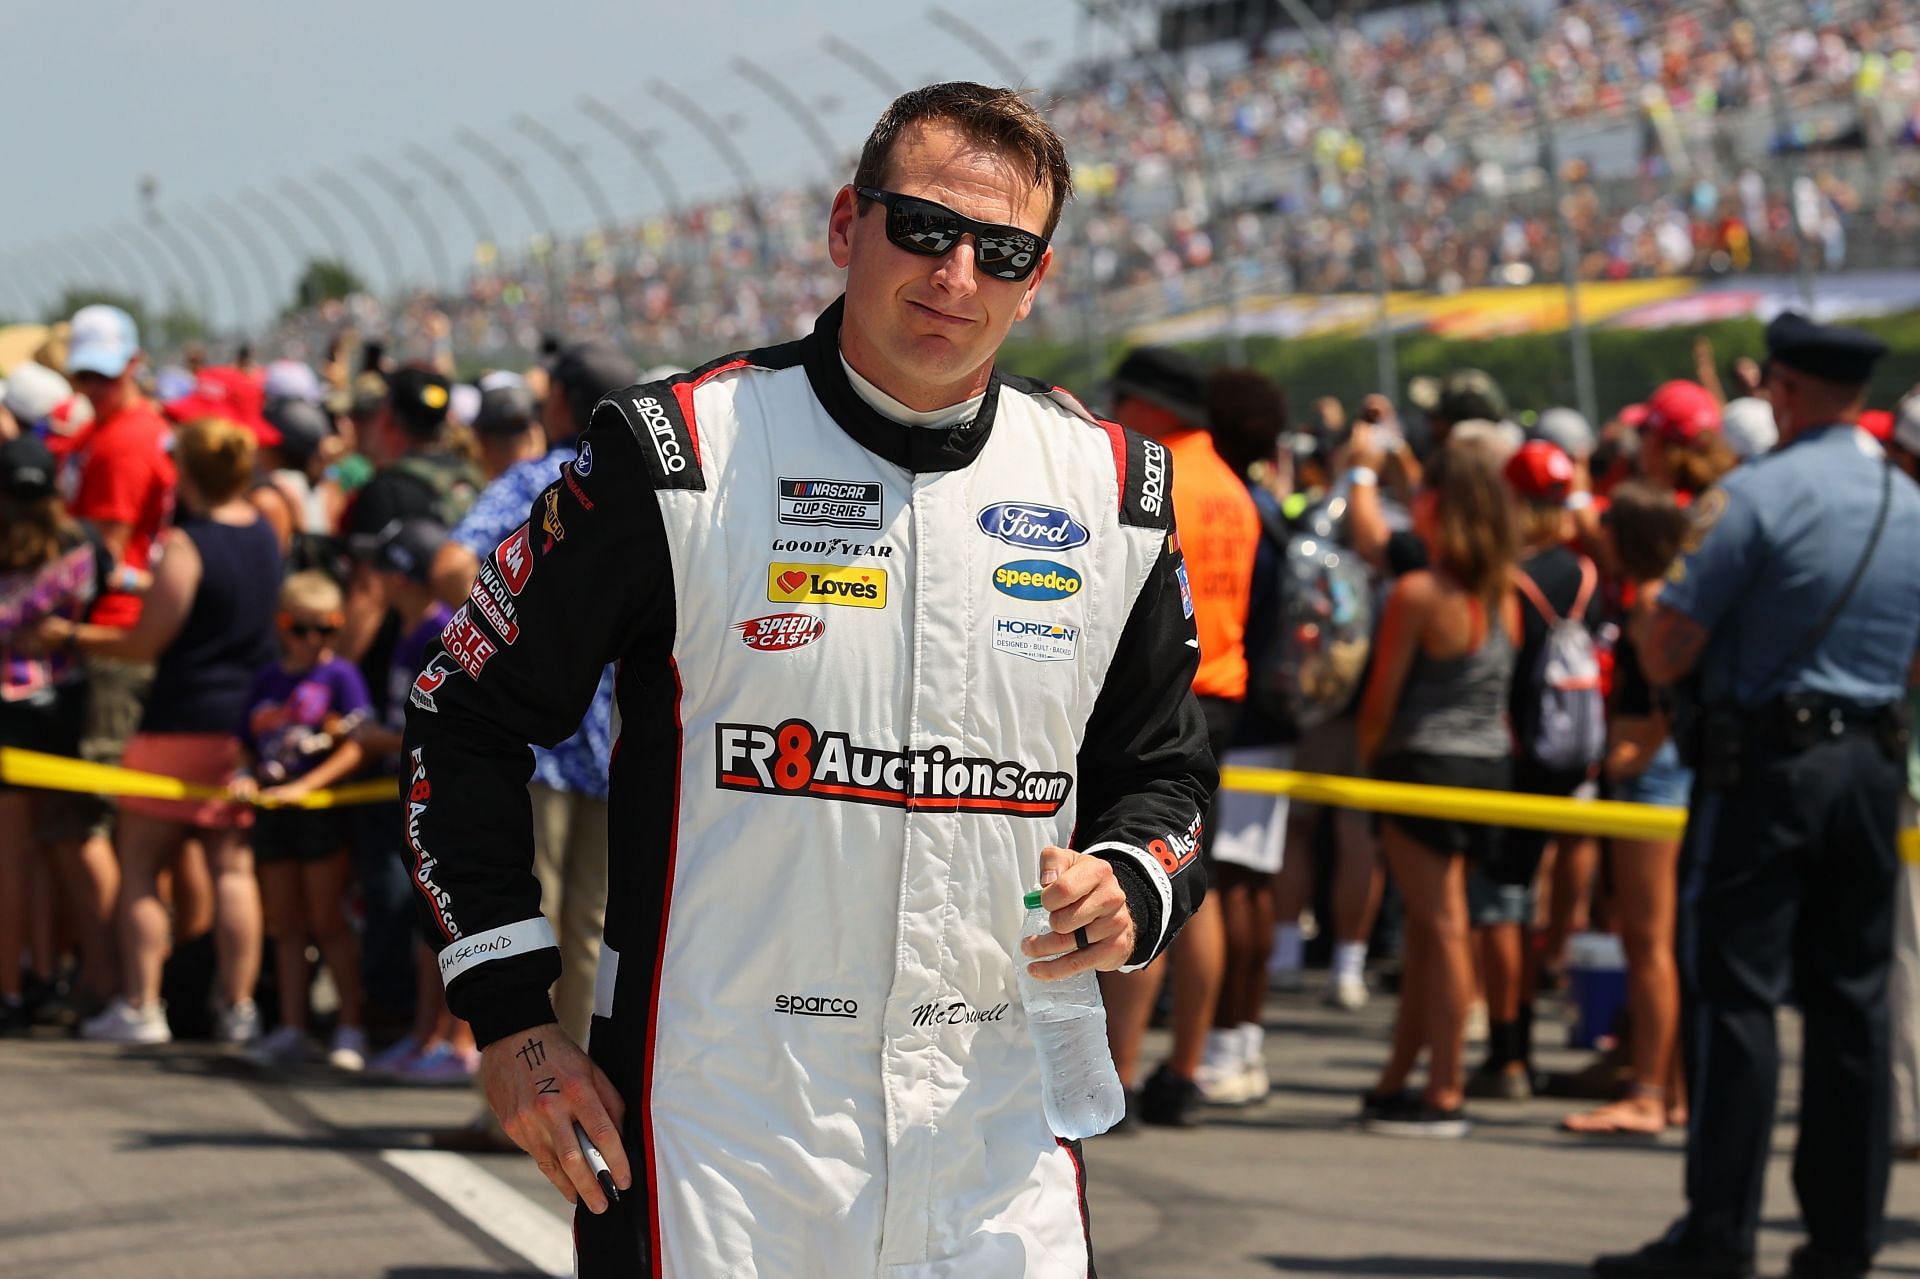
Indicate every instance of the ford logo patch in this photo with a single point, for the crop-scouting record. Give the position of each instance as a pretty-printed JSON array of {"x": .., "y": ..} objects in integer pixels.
[{"x": 1036, "y": 527}]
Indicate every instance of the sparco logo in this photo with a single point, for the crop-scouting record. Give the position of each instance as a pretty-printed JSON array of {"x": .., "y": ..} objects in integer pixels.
[
  {"x": 798, "y": 759},
  {"x": 816, "y": 1006},
  {"x": 660, "y": 430},
  {"x": 1153, "y": 487},
  {"x": 957, "y": 1013},
  {"x": 1036, "y": 527}
]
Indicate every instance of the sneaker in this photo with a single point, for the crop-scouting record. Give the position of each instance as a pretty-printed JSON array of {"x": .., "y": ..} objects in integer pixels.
[
  {"x": 280, "y": 1047},
  {"x": 1347, "y": 993},
  {"x": 1424, "y": 1121},
  {"x": 1258, "y": 1085},
  {"x": 1375, "y": 1105},
  {"x": 441, "y": 1065},
  {"x": 348, "y": 1051},
  {"x": 121, "y": 1023},
  {"x": 1477, "y": 1025},
  {"x": 395, "y": 1055},
  {"x": 1222, "y": 1077},
  {"x": 1170, "y": 1101},
  {"x": 236, "y": 1023},
  {"x": 1662, "y": 1259},
  {"x": 1500, "y": 1083},
  {"x": 1805, "y": 1262}
]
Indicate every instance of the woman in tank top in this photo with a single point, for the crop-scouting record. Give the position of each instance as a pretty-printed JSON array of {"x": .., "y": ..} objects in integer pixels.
[
  {"x": 208, "y": 619},
  {"x": 1435, "y": 712}
]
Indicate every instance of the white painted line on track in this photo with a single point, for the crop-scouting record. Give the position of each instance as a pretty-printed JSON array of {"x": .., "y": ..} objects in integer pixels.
[{"x": 502, "y": 1212}]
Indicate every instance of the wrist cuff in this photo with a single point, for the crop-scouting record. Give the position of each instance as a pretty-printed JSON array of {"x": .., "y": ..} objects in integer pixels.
[{"x": 1149, "y": 898}]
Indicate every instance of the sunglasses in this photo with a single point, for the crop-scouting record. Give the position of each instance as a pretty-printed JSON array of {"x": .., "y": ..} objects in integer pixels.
[
  {"x": 930, "y": 230},
  {"x": 307, "y": 630}
]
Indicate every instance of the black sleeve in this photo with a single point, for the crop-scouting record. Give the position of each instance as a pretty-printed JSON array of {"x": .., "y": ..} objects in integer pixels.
[
  {"x": 1146, "y": 769},
  {"x": 583, "y": 582}
]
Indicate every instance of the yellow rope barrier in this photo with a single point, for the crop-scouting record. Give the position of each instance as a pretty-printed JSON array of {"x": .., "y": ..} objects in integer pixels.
[{"x": 56, "y": 772}]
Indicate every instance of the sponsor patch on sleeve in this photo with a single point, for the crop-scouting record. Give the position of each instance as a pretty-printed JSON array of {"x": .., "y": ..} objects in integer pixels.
[{"x": 467, "y": 644}]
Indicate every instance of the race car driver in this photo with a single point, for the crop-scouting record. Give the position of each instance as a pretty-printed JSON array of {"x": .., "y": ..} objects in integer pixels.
[{"x": 900, "y": 637}]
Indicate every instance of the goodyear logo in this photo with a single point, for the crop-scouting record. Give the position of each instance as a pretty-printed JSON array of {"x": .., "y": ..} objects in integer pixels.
[
  {"x": 854, "y": 586},
  {"x": 1036, "y": 580}
]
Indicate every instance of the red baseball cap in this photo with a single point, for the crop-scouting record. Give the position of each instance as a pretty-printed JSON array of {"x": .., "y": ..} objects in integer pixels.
[
  {"x": 230, "y": 395},
  {"x": 1878, "y": 423},
  {"x": 1680, "y": 411},
  {"x": 1541, "y": 472}
]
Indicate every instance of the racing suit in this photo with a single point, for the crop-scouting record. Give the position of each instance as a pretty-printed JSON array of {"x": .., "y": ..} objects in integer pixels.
[{"x": 867, "y": 671}]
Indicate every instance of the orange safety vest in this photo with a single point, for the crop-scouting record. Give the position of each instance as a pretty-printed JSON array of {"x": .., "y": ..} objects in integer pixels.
[{"x": 1219, "y": 533}]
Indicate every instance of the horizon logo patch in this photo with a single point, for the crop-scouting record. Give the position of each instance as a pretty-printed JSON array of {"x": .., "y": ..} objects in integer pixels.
[
  {"x": 852, "y": 586},
  {"x": 1035, "y": 641},
  {"x": 836, "y": 503}
]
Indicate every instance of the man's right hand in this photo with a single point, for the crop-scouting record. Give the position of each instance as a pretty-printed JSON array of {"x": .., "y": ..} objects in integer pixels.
[{"x": 538, "y": 1082}]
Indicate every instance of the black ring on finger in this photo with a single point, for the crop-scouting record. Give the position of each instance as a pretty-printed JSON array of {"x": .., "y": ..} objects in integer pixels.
[{"x": 1080, "y": 939}]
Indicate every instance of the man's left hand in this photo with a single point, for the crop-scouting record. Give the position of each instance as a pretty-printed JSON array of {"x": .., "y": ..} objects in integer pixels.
[{"x": 1081, "y": 892}]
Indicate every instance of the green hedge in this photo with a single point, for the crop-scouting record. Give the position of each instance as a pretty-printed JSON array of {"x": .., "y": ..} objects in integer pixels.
[{"x": 1536, "y": 369}]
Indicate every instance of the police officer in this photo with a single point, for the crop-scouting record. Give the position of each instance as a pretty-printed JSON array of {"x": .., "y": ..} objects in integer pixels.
[{"x": 1796, "y": 602}]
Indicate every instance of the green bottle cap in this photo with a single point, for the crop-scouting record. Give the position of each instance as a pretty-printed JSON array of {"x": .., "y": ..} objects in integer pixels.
[{"x": 1032, "y": 899}]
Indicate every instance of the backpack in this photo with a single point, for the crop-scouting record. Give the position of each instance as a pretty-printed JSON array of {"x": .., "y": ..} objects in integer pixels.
[
  {"x": 454, "y": 483},
  {"x": 1312, "y": 668},
  {"x": 1563, "y": 725}
]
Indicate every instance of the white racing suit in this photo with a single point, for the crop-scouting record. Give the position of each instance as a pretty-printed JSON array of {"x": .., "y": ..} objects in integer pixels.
[{"x": 867, "y": 672}]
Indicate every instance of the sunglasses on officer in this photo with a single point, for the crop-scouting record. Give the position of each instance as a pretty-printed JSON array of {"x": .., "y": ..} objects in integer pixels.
[{"x": 931, "y": 230}]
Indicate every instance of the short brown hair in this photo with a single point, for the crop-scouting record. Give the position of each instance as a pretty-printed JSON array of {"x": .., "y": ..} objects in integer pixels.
[
  {"x": 1247, "y": 413},
  {"x": 1647, "y": 526},
  {"x": 997, "y": 119},
  {"x": 217, "y": 456}
]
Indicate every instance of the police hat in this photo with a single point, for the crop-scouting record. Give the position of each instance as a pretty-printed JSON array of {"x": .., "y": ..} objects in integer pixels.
[
  {"x": 1825, "y": 351},
  {"x": 1161, "y": 375}
]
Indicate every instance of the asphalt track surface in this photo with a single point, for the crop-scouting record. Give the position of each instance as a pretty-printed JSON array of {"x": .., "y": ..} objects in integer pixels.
[{"x": 181, "y": 1161}]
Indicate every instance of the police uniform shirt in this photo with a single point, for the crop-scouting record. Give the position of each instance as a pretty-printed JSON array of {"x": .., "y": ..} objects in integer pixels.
[{"x": 1770, "y": 551}]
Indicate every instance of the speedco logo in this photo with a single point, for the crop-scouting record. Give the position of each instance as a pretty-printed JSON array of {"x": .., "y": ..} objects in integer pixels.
[
  {"x": 1036, "y": 580},
  {"x": 666, "y": 446},
  {"x": 1036, "y": 527},
  {"x": 795, "y": 758},
  {"x": 827, "y": 584},
  {"x": 957, "y": 1013},
  {"x": 1153, "y": 485},
  {"x": 816, "y": 1006}
]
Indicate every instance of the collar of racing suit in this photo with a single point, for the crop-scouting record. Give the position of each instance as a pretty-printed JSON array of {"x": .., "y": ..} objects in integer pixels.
[{"x": 913, "y": 448}]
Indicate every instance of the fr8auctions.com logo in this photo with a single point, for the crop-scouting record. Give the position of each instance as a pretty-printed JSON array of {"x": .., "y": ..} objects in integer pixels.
[{"x": 795, "y": 758}]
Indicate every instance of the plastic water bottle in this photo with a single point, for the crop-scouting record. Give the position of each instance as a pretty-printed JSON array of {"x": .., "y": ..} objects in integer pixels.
[{"x": 1079, "y": 1088}]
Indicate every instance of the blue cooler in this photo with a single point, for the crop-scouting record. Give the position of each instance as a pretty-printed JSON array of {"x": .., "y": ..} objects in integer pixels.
[{"x": 1597, "y": 985}]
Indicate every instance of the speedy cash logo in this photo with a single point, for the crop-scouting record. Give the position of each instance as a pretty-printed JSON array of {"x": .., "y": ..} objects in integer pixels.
[
  {"x": 796, "y": 759},
  {"x": 780, "y": 632},
  {"x": 1033, "y": 526},
  {"x": 1036, "y": 580},
  {"x": 851, "y": 586},
  {"x": 837, "y": 503}
]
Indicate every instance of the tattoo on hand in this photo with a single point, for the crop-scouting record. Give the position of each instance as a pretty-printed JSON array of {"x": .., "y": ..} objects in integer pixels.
[
  {"x": 534, "y": 1053},
  {"x": 547, "y": 1087}
]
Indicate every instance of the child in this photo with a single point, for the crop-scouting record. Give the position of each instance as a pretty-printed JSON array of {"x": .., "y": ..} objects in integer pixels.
[
  {"x": 297, "y": 732},
  {"x": 439, "y": 1049}
]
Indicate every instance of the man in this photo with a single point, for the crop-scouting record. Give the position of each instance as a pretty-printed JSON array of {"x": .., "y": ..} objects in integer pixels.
[
  {"x": 120, "y": 479},
  {"x": 866, "y": 594},
  {"x": 506, "y": 429},
  {"x": 417, "y": 478},
  {"x": 569, "y": 785},
  {"x": 1161, "y": 394},
  {"x": 1795, "y": 600}
]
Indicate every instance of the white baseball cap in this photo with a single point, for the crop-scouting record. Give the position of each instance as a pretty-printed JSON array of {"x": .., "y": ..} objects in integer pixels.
[
  {"x": 1906, "y": 424},
  {"x": 34, "y": 391},
  {"x": 291, "y": 380},
  {"x": 1748, "y": 426},
  {"x": 103, "y": 340}
]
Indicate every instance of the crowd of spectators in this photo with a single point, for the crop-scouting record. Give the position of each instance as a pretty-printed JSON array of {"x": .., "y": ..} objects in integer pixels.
[{"x": 1668, "y": 142}]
